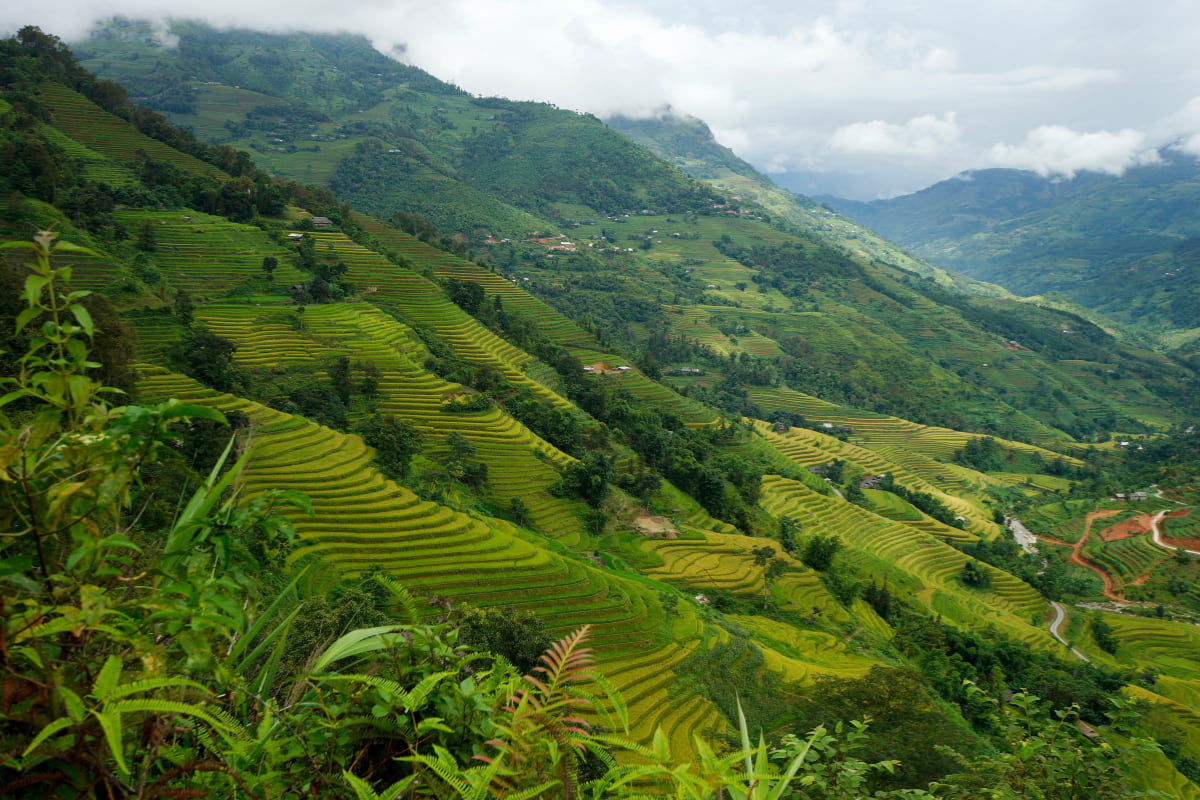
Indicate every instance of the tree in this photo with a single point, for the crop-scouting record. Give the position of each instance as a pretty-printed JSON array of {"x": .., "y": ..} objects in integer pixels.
[
  {"x": 975, "y": 575},
  {"x": 146, "y": 241},
  {"x": 819, "y": 551},
  {"x": 772, "y": 566},
  {"x": 519, "y": 636},
  {"x": 1052, "y": 755},
  {"x": 788, "y": 528},
  {"x": 183, "y": 307},
  {"x": 320, "y": 403},
  {"x": 269, "y": 264},
  {"x": 207, "y": 357},
  {"x": 395, "y": 441},
  {"x": 467, "y": 295},
  {"x": 339, "y": 374},
  {"x": 906, "y": 724},
  {"x": 1103, "y": 634}
]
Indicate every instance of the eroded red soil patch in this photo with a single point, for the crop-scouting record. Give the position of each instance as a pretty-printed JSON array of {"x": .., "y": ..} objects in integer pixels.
[
  {"x": 1127, "y": 528},
  {"x": 1186, "y": 544}
]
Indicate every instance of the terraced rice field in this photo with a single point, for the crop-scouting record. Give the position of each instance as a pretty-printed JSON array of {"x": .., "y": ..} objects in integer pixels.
[
  {"x": 111, "y": 136},
  {"x": 809, "y": 652},
  {"x": 155, "y": 334},
  {"x": 1173, "y": 648},
  {"x": 878, "y": 431},
  {"x": 207, "y": 255},
  {"x": 808, "y": 448},
  {"x": 423, "y": 303},
  {"x": 724, "y": 562},
  {"x": 96, "y": 166},
  {"x": 1063, "y": 520},
  {"x": 522, "y": 464},
  {"x": 362, "y": 521},
  {"x": 88, "y": 272},
  {"x": 923, "y": 564},
  {"x": 1184, "y": 526},
  {"x": 514, "y": 299},
  {"x": 1126, "y": 559},
  {"x": 895, "y": 508}
]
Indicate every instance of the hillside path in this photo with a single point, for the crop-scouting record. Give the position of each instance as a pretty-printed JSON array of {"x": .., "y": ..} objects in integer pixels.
[
  {"x": 1110, "y": 590},
  {"x": 1060, "y": 614}
]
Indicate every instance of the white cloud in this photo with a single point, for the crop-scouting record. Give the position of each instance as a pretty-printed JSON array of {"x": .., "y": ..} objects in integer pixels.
[
  {"x": 925, "y": 137},
  {"x": 1058, "y": 150},
  {"x": 1182, "y": 129}
]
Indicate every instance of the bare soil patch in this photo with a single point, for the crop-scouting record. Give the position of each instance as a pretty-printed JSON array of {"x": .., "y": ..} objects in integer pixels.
[
  {"x": 655, "y": 527},
  {"x": 1186, "y": 544},
  {"x": 1127, "y": 528}
]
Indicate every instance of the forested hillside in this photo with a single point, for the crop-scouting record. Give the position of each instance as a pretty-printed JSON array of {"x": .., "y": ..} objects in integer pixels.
[{"x": 485, "y": 388}]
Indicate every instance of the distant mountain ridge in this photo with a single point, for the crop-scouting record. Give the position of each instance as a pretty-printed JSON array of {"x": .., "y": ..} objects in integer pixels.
[{"x": 1125, "y": 246}]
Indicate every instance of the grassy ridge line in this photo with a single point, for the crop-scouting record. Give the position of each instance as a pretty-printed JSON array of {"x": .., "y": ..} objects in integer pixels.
[
  {"x": 441, "y": 551},
  {"x": 113, "y": 137}
]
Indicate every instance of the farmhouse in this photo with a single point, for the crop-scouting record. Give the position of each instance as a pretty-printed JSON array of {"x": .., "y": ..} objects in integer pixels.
[{"x": 322, "y": 222}]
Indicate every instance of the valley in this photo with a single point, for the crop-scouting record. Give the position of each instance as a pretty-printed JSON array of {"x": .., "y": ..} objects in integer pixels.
[{"x": 520, "y": 365}]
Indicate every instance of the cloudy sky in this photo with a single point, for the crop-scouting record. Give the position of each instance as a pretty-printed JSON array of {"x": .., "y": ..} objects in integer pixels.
[{"x": 864, "y": 98}]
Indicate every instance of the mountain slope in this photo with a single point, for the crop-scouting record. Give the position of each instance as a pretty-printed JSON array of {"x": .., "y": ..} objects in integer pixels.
[
  {"x": 641, "y": 508},
  {"x": 489, "y": 172}
]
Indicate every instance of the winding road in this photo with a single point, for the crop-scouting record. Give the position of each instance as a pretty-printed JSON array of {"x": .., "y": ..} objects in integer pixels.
[
  {"x": 1060, "y": 614},
  {"x": 1154, "y": 531}
]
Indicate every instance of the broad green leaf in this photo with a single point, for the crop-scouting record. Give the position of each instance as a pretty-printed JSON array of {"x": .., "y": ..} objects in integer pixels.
[
  {"x": 34, "y": 284},
  {"x": 359, "y": 642},
  {"x": 71, "y": 247},
  {"x": 84, "y": 319},
  {"x": 27, "y": 316},
  {"x": 174, "y": 409}
]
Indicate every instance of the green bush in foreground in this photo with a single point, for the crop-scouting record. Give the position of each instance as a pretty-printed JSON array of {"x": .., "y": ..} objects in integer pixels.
[{"x": 148, "y": 663}]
